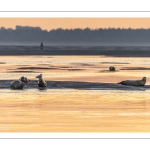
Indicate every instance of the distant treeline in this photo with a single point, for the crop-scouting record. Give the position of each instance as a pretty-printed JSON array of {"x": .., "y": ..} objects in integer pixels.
[{"x": 26, "y": 34}]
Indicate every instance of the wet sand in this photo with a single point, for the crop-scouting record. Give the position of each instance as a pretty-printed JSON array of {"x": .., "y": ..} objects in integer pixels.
[{"x": 82, "y": 95}]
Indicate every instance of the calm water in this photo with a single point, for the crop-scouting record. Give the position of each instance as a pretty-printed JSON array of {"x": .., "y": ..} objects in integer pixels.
[{"x": 74, "y": 110}]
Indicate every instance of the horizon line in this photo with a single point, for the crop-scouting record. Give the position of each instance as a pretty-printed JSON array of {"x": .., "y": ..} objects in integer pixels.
[{"x": 74, "y": 28}]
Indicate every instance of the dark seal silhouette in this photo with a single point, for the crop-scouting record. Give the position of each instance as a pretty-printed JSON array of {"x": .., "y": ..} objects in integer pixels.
[
  {"x": 24, "y": 79},
  {"x": 41, "y": 82},
  {"x": 134, "y": 82},
  {"x": 112, "y": 68}
]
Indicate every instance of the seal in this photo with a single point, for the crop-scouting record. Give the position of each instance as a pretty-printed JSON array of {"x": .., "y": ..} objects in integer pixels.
[
  {"x": 112, "y": 68},
  {"x": 41, "y": 82},
  {"x": 24, "y": 79},
  {"x": 17, "y": 84},
  {"x": 134, "y": 82}
]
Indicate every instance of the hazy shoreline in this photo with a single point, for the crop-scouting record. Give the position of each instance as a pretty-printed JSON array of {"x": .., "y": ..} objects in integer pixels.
[{"x": 115, "y": 51}]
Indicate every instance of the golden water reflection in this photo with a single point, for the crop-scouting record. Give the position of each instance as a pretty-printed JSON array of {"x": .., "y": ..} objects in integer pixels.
[
  {"x": 72, "y": 110},
  {"x": 75, "y": 111}
]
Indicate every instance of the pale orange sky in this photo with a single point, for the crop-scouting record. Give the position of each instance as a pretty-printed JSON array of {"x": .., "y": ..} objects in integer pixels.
[{"x": 53, "y": 23}]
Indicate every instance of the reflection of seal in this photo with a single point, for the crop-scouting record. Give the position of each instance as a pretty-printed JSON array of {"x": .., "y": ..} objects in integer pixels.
[
  {"x": 41, "y": 82},
  {"x": 112, "y": 68},
  {"x": 17, "y": 84},
  {"x": 24, "y": 79},
  {"x": 134, "y": 82}
]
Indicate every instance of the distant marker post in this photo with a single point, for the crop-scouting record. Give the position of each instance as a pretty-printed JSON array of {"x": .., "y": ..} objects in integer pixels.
[{"x": 42, "y": 47}]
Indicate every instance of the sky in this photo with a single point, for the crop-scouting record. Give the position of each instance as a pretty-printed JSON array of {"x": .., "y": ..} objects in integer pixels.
[{"x": 71, "y": 23}]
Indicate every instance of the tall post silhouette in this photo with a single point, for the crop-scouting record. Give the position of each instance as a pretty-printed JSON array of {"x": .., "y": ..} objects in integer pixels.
[{"x": 42, "y": 47}]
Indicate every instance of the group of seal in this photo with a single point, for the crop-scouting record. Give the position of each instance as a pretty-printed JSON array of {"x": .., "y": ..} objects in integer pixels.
[
  {"x": 130, "y": 82},
  {"x": 19, "y": 84}
]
